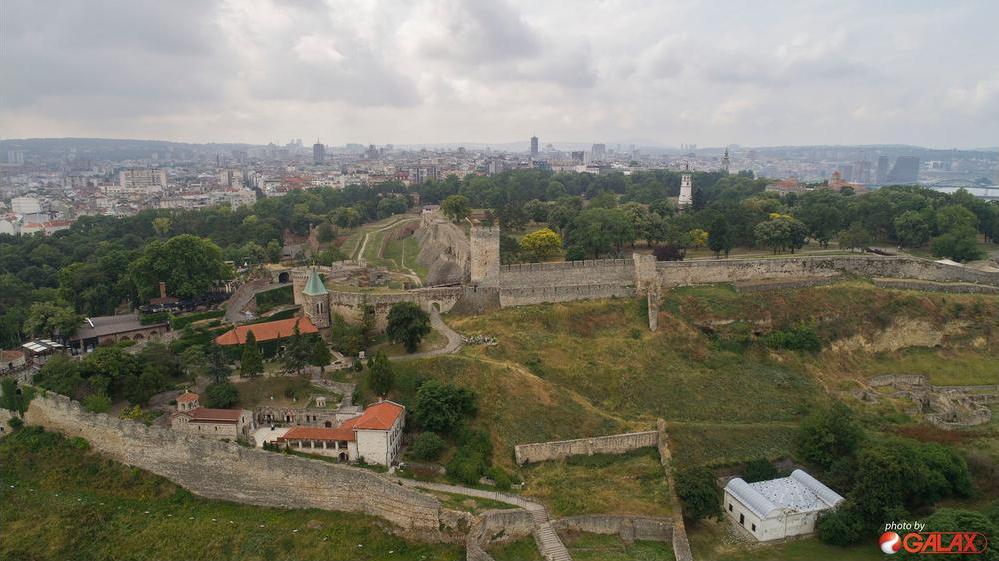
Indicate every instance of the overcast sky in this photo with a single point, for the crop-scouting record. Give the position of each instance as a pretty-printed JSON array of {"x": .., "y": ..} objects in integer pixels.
[{"x": 415, "y": 71}]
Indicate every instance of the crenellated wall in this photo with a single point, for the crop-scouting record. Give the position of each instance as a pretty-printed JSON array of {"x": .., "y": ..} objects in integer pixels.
[{"x": 228, "y": 471}]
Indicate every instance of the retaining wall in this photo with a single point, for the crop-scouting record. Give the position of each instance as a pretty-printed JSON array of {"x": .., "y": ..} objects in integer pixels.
[
  {"x": 613, "y": 444},
  {"x": 228, "y": 471},
  {"x": 930, "y": 286},
  {"x": 524, "y": 296},
  {"x": 630, "y": 528}
]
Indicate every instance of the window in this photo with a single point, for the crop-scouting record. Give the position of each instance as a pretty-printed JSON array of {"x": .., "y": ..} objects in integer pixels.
[
  {"x": 742, "y": 519},
  {"x": 754, "y": 527},
  {"x": 730, "y": 507}
]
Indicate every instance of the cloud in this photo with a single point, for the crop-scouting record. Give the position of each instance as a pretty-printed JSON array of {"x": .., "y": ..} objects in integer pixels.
[{"x": 381, "y": 71}]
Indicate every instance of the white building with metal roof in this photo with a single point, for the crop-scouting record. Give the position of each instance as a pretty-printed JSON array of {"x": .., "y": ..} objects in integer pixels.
[{"x": 778, "y": 508}]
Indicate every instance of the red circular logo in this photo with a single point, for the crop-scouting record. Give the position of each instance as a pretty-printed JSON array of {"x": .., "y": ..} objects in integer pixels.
[{"x": 890, "y": 542}]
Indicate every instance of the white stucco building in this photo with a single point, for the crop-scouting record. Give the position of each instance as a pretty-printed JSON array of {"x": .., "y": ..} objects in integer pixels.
[
  {"x": 374, "y": 436},
  {"x": 778, "y": 508}
]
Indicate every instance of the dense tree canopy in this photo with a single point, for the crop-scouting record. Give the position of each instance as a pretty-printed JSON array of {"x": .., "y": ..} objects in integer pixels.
[{"x": 190, "y": 266}]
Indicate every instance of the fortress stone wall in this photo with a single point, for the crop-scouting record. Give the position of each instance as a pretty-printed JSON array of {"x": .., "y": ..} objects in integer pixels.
[
  {"x": 560, "y": 449},
  {"x": 550, "y": 294},
  {"x": 568, "y": 273},
  {"x": 228, "y": 471},
  {"x": 685, "y": 273},
  {"x": 630, "y": 528}
]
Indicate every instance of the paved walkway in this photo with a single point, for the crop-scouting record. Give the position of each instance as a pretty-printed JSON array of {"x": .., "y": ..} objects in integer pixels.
[
  {"x": 453, "y": 340},
  {"x": 234, "y": 306},
  {"x": 552, "y": 548}
]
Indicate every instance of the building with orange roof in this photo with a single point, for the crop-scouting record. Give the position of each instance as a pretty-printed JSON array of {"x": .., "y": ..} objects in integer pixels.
[
  {"x": 267, "y": 331},
  {"x": 374, "y": 436},
  {"x": 188, "y": 401},
  {"x": 231, "y": 424}
]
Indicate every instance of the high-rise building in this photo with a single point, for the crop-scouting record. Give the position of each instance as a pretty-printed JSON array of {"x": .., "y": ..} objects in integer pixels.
[
  {"x": 142, "y": 178},
  {"x": 599, "y": 152},
  {"x": 905, "y": 170},
  {"x": 862, "y": 172},
  {"x": 534, "y": 146},
  {"x": 578, "y": 156},
  {"x": 318, "y": 153},
  {"x": 15, "y": 157},
  {"x": 882, "y": 173}
]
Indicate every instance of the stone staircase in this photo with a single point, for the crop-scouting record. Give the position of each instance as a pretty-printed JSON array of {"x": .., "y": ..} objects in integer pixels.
[{"x": 549, "y": 544}]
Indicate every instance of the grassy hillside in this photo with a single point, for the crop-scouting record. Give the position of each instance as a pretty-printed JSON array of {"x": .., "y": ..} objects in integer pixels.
[{"x": 61, "y": 501}]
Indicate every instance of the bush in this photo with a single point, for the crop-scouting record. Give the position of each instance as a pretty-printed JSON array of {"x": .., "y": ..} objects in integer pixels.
[
  {"x": 15, "y": 423},
  {"x": 800, "y": 338},
  {"x": 698, "y": 492},
  {"x": 221, "y": 395},
  {"x": 442, "y": 407},
  {"x": 428, "y": 446},
  {"x": 759, "y": 470},
  {"x": 842, "y": 527},
  {"x": 473, "y": 459},
  {"x": 97, "y": 403},
  {"x": 828, "y": 435}
]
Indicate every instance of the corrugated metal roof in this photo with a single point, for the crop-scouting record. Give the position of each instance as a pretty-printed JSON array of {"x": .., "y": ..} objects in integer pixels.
[
  {"x": 830, "y": 497},
  {"x": 750, "y": 497}
]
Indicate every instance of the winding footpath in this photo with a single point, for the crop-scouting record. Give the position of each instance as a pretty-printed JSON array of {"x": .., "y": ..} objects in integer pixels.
[{"x": 453, "y": 340}]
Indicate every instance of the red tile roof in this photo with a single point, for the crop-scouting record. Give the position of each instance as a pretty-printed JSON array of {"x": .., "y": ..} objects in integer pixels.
[
  {"x": 206, "y": 415},
  {"x": 318, "y": 433},
  {"x": 186, "y": 397},
  {"x": 267, "y": 331},
  {"x": 380, "y": 416}
]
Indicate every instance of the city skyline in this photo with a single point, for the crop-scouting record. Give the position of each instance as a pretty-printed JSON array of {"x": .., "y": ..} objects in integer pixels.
[{"x": 493, "y": 73}]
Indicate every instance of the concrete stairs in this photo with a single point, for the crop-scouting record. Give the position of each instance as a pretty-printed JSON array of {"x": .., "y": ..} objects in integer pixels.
[{"x": 549, "y": 544}]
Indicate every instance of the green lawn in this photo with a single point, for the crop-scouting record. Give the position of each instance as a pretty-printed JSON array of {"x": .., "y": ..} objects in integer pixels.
[
  {"x": 285, "y": 390},
  {"x": 632, "y": 483},
  {"x": 599, "y": 547},
  {"x": 524, "y": 549},
  {"x": 267, "y": 301},
  {"x": 718, "y": 444},
  {"x": 944, "y": 367},
  {"x": 394, "y": 254},
  {"x": 61, "y": 501}
]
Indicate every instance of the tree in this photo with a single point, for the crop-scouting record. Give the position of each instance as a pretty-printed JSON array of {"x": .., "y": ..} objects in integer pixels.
[
  {"x": 407, "y": 324},
  {"x": 542, "y": 244},
  {"x": 697, "y": 490},
  {"x": 828, "y": 435},
  {"x": 842, "y": 526},
  {"x": 960, "y": 520},
  {"x": 251, "y": 363},
  {"x": 190, "y": 266},
  {"x": 221, "y": 395},
  {"x": 51, "y": 318},
  {"x": 456, "y": 207},
  {"x": 325, "y": 233},
  {"x": 442, "y": 407},
  {"x": 599, "y": 230},
  {"x": 296, "y": 351},
  {"x": 911, "y": 229},
  {"x": 698, "y": 237},
  {"x": 380, "y": 377},
  {"x": 959, "y": 236},
  {"x": 720, "y": 237},
  {"x": 821, "y": 210},
  {"x": 759, "y": 470},
  {"x": 161, "y": 225},
  {"x": 15, "y": 399},
  {"x": 218, "y": 366},
  {"x": 428, "y": 446},
  {"x": 320, "y": 355},
  {"x": 855, "y": 237},
  {"x": 367, "y": 322}
]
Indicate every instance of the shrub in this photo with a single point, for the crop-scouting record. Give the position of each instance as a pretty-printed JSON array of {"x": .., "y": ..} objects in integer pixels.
[
  {"x": 842, "y": 527},
  {"x": 759, "y": 470},
  {"x": 221, "y": 395},
  {"x": 697, "y": 490},
  {"x": 428, "y": 446},
  {"x": 829, "y": 435},
  {"x": 97, "y": 403},
  {"x": 15, "y": 423},
  {"x": 800, "y": 338}
]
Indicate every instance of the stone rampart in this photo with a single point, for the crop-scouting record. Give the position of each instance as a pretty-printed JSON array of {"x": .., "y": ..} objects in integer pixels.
[
  {"x": 228, "y": 471},
  {"x": 630, "y": 528},
  {"x": 524, "y": 296},
  {"x": 560, "y": 449},
  {"x": 684, "y": 273},
  {"x": 568, "y": 273},
  {"x": 350, "y": 305},
  {"x": 931, "y": 286}
]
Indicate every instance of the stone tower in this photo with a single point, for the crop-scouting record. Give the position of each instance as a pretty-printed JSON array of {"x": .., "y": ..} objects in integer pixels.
[
  {"x": 484, "y": 246},
  {"x": 686, "y": 189},
  {"x": 316, "y": 300}
]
